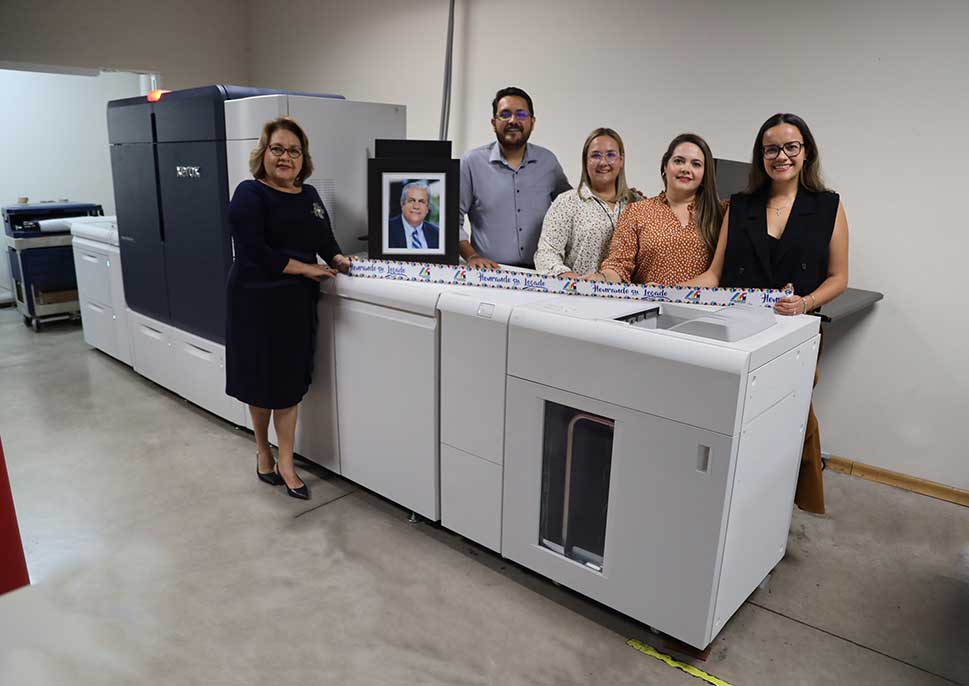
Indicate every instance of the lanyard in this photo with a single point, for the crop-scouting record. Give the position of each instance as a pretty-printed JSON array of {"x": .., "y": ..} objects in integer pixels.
[{"x": 602, "y": 205}]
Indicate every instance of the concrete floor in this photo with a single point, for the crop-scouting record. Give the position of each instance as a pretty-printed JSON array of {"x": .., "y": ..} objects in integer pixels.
[{"x": 158, "y": 558}]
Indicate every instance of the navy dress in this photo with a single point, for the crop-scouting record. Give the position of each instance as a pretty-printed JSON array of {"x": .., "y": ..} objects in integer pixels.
[{"x": 271, "y": 317}]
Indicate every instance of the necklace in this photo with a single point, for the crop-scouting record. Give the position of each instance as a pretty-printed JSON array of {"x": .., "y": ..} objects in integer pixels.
[{"x": 777, "y": 210}]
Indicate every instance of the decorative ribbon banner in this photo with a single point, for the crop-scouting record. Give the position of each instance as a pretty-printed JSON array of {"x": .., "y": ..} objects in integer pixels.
[{"x": 526, "y": 281}]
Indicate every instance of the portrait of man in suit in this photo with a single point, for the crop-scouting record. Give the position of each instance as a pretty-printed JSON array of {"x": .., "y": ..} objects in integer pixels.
[{"x": 410, "y": 229}]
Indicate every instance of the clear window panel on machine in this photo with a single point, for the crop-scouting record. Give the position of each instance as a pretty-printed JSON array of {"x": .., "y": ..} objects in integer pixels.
[{"x": 576, "y": 463}]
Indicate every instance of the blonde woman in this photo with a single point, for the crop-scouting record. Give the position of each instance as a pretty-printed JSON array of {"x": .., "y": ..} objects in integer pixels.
[
  {"x": 579, "y": 224},
  {"x": 279, "y": 226}
]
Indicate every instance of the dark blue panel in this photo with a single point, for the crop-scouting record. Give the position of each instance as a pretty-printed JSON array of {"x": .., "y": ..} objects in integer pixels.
[
  {"x": 194, "y": 114},
  {"x": 49, "y": 269},
  {"x": 129, "y": 121},
  {"x": 140, "y": 231},
  {"x": 194, "y": 198}
]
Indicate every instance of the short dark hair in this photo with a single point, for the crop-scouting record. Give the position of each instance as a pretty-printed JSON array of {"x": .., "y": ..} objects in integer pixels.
[
  {"x": 511, "y": 90},
  {"x": 256, "y": 165}
]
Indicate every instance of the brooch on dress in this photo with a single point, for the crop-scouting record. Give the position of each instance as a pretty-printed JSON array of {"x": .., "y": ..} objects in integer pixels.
[{"x": 319, "y": 211}]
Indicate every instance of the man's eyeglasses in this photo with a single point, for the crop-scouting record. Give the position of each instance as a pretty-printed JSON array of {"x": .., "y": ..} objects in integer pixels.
[
  {"x": 791, "y": 149},
  {"x": 520, "y": 115},
  {"x": 611, "y": 156},
  {"x": 278, "y": 150}
]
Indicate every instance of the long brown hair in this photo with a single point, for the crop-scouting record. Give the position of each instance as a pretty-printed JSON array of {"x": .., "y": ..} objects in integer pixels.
[
  {"x": 706, "y": 205},
  {"x": 256, "y": 166},
  {"x": 622, "y": 189},
  {"x": 810, "y": 177}
]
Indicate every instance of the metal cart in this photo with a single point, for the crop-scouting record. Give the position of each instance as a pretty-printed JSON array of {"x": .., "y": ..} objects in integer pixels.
[{"x": 38, "y": 247}]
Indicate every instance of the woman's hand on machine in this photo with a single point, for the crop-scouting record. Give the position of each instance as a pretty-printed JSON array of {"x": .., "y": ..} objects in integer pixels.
[
  {"x": 792, "y": 304},
  {"x": 341, "y": 263},
  {"x": 317, "y": 272}
]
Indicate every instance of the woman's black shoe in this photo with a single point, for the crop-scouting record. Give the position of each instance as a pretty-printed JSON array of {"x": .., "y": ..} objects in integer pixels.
[
  {"x": 272, "y": 478},
  {"x": 301, "y": 493}
]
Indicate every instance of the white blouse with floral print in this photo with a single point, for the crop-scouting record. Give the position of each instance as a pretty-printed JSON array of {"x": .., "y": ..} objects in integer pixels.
[{"x": 576, "y": 232}]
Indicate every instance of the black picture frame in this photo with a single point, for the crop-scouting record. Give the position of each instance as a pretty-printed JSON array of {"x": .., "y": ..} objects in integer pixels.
[{"x": 443, "y": 176}]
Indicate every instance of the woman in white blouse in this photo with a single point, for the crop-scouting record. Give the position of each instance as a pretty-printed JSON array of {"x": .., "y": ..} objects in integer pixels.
[{"x": 579, "y": 224}]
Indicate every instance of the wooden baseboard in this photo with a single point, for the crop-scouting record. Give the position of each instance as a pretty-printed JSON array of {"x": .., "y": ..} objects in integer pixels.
[{"x": 909, "y": 483}]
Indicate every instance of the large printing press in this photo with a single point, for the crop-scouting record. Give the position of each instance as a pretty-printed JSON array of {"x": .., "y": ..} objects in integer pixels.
[{"x": 642, "y": 453}]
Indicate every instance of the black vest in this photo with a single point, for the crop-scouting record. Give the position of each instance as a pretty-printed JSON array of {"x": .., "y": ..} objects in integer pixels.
[{"x": 801, "y": 256}]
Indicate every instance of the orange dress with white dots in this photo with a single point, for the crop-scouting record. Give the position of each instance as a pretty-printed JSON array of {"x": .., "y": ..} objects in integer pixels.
[{"x": 650, "y": 245}]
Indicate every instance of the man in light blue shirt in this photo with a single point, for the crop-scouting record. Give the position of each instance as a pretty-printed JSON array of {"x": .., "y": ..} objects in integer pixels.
[
  {"x": 506, "y": 187},
  {"x": 408, "y": 229}
]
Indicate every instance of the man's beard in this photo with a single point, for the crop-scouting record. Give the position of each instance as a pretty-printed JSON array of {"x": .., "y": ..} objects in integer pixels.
[{"x": 512, "y": 145}]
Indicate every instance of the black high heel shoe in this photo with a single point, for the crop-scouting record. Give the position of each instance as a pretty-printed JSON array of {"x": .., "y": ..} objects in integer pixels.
[
  {"x": 301, "y": 493},
  {"x": 272, "y": 478}
]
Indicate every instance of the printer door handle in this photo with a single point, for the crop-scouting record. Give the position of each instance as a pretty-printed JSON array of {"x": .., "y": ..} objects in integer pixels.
[
  {"x": 90, "y": 258},
  {"x": 152, "y": 333},
  {"x": 201, "y": 353}
]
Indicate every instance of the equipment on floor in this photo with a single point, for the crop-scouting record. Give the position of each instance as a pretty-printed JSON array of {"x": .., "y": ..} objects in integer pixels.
[
  {"x": 38, "y": 247},
  {"x": 651, "y": 454},
  {"x": 100, "y": 285},
  {"x": 644, "y": 454},
  {"x": 177, "y": 157}
]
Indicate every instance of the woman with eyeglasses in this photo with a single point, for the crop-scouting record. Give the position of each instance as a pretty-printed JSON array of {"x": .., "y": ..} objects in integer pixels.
[
  {"x": 670, "y": 237},
  {"x": 786, "y": 229},
  {"x": 579, "y": 223},
  {"x": 279, "y": 226}
]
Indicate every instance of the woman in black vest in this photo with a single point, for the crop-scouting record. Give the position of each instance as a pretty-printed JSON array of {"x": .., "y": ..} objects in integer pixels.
[{"x": 786, "y": 229}]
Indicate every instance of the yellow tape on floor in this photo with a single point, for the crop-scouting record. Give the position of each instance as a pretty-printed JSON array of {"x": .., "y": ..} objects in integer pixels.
[{"x": 689, "y": 669}]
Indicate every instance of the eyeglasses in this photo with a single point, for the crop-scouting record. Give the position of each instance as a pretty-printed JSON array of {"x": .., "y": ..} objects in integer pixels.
[
  {"x": 611, "y": 156},
  {"x": 791, "y": 149},
  {"x": 278, "y": 150},
  {"x": 520, "y": 115}
]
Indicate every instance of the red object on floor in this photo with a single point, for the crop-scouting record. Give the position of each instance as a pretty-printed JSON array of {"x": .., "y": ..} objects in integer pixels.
[{"x": 13, "y": 566}]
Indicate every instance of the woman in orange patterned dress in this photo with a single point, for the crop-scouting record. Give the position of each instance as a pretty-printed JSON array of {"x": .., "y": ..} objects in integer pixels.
[{"x": 672, "y": 237}]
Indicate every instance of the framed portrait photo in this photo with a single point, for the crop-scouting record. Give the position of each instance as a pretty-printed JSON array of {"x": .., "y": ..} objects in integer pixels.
[{"x": 413, "y": 210}]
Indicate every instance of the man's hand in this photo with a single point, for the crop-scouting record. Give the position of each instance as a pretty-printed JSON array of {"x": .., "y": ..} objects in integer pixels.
[{"x": 479, "y": 262}]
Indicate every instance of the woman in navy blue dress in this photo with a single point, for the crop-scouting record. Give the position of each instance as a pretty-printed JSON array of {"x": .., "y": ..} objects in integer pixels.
[{"x": 279, "y": 226}]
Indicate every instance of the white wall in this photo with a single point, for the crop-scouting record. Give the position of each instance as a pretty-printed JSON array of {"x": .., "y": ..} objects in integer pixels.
[
  {"x": 884, "y": 85},
  {"x": 54, "y": 135},
  {"x": 188, "y": 43}
]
